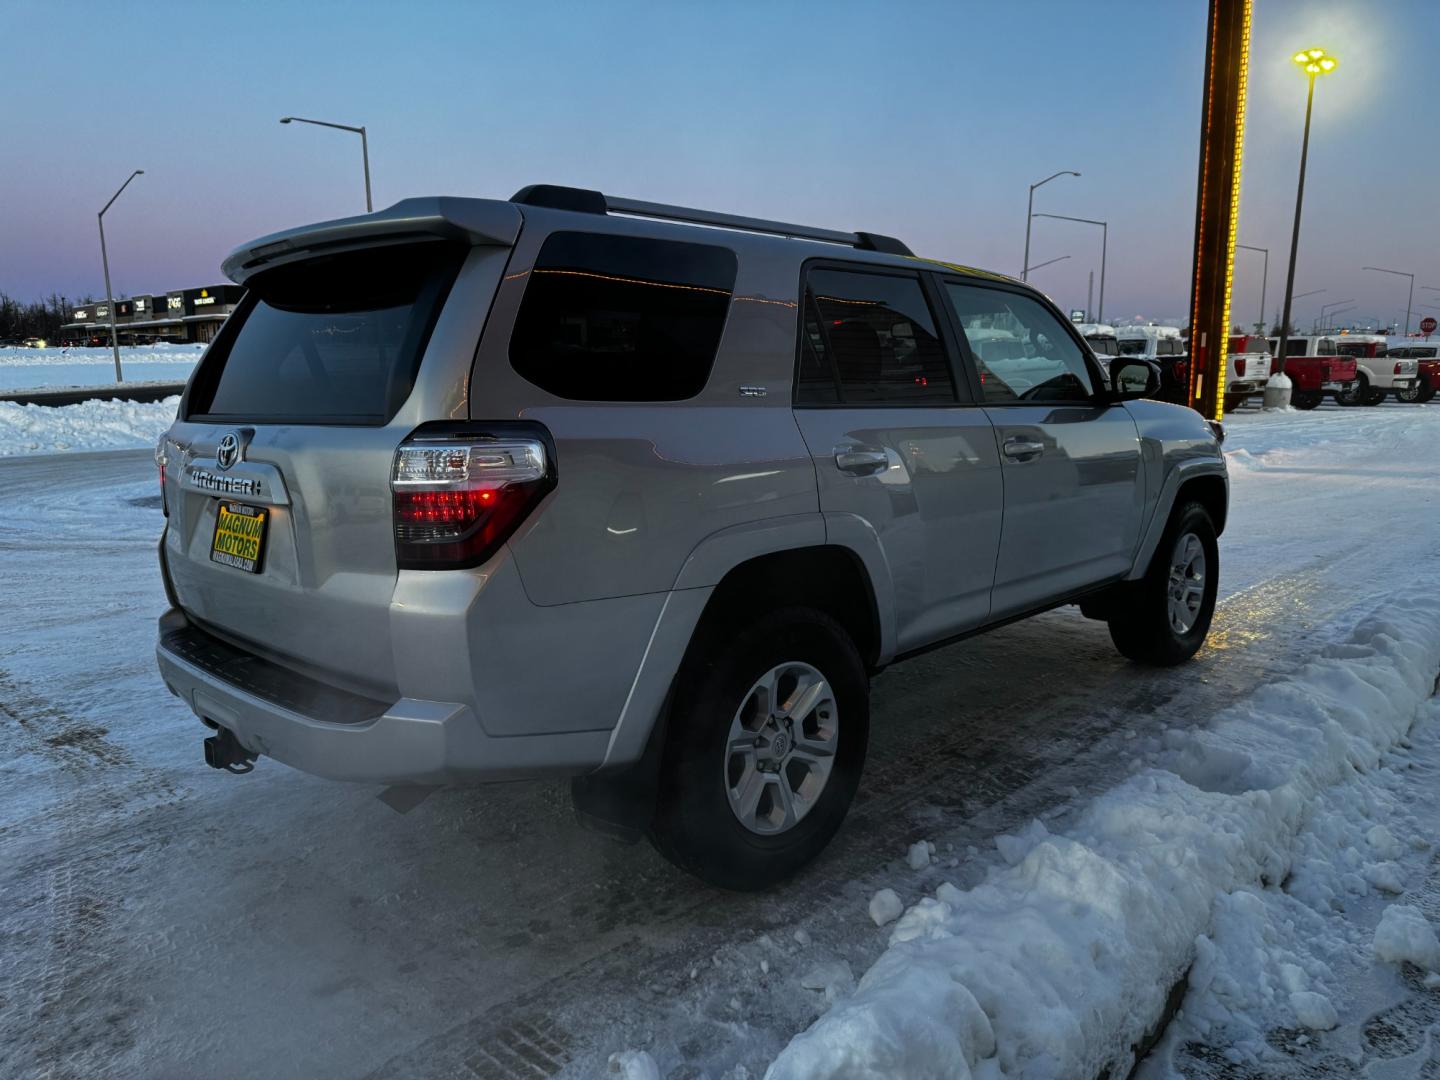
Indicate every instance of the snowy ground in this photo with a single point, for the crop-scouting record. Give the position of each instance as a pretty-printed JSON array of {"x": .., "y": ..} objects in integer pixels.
[
  {"x": 27, "y": 369},
  {"x": 164, "y": 920}
]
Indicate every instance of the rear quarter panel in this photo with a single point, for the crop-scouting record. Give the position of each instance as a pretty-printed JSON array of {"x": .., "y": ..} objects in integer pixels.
[{"x": 641, "y": 485}]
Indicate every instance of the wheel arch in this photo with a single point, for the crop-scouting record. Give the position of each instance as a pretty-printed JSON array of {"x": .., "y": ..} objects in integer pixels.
[{"x": 1201, "y": 480}]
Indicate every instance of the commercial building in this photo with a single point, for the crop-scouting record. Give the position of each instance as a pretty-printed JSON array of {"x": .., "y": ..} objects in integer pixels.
[{"x": 182, "y": 315}]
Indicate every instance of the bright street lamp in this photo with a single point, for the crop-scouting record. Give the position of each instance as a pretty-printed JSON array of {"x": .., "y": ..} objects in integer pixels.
[
  {"x": 1104, "y": 245},
  {"x": 105, "y": 261},
  {"x": 1408, "y": 303},
  {"x": 364, "y": 146},
  {"x": 1030, "y": 213},
  {"x": 1264, "y": 278},
  {"x": 1313, "y": 62}
]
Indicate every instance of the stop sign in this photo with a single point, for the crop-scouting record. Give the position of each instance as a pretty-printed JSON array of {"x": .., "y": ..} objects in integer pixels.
[{"x": 1427, "y": 326}]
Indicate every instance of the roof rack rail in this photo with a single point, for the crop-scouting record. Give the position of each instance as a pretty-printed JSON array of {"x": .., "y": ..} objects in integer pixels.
[{"x": 585, "y": 201}]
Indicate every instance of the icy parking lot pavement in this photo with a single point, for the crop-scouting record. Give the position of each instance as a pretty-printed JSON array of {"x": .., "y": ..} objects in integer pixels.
[{"x": 161, "y": 919}]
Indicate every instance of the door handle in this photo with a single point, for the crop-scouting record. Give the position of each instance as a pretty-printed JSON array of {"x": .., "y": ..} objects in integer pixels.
[
  {"x": 1018, "y": 449},
  {"x": 861, "y": 460}
]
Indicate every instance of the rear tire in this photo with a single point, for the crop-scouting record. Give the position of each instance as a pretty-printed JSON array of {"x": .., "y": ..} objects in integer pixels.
[
  {"x": 1355, "y": 393},
  {"x": 1234, "y": 401},
  {"x": 1165, "y": 616},
  {"x": 703, "y": 821},
  {"x": 1427, "y": 391},
  {"x": 1306, "y": 399},
  {"x": 1412, "y": 395},
  {"x": 1375, "y": 397}
]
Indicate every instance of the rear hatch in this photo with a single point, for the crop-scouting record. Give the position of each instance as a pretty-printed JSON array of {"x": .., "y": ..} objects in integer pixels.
[{"x": 280, "y": 534}]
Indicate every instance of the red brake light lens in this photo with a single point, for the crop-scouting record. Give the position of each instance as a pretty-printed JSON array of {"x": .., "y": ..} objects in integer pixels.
[
  {"x": 458, "y": 496},
  {"x": 1397, "y": 367},
  {"x": 1240, "y": 366}
]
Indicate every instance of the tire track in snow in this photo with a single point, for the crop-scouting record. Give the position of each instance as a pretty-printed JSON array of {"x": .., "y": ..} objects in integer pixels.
[{"x": 79, "y": 1006}]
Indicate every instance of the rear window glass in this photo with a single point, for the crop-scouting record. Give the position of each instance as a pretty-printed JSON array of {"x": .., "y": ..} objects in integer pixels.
[
  {"x": 336, "y": 339},
  {"x": 622, "y": 318}
]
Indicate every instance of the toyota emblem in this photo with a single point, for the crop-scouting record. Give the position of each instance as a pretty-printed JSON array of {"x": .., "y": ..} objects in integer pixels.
[{"x": 228, "y": 452}]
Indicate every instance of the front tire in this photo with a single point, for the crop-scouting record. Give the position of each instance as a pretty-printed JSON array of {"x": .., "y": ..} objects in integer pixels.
[
  {"x": 1165, "y": 616},
  {"x": 767, "y": 739},
  {"x": 1427, "y": 391}
]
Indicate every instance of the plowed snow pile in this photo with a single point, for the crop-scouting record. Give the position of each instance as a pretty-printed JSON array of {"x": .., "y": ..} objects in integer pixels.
[
  {"x": 1059, "y": 963},
  {"x": 90, "y": 425}
]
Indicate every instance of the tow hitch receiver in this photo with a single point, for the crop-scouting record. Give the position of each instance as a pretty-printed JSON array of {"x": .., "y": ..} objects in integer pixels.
[{"x": 223, "y": 751}]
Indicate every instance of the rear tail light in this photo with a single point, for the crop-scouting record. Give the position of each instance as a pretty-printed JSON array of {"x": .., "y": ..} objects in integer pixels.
[
  {"x": 1398, "y": 366},
  {"x": 1240, "y": 366},
  {"x": 161, "y": 460},
  {"x": 460, "y": 491}
]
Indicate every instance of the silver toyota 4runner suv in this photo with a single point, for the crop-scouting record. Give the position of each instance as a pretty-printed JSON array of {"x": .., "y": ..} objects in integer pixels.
[{"x": 568, "y": 484}]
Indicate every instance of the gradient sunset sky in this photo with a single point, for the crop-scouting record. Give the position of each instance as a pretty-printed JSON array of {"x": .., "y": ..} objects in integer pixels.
[{"x": 926, "y": 121}]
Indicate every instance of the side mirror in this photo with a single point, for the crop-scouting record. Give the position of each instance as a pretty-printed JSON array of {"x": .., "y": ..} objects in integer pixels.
[{"x": 1133, "y": 378}]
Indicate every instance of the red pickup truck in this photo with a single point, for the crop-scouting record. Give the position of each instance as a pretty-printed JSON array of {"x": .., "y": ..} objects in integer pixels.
[{"x": 1316, "y": 369}]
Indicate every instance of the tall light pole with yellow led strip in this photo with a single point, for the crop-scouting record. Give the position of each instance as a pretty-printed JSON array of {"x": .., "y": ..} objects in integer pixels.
[
  {"x": 1217, "y": 204},
  {"x": 1313, "y": 62}
]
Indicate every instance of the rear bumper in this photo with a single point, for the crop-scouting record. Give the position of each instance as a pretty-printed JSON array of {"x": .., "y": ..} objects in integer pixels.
[
  {"x": 1245, "y": 386},
  {"x": 320, "y": 729}
]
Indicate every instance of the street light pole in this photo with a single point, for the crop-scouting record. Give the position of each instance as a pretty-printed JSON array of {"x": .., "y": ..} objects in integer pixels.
[
  {"x": 1048, "y": 262},
  {"x": 1332, "y": 304},
  {"x": 364, "y": 146},
  {"x": 1104, "y": 246},
  {"x": 1408, "y": 303},
  {"x": 1314, "y": 62},
  {"x": 105, "y": 262},
  {"x": 1264, "y": 279},
  {"x": 1030, "y": 213}
]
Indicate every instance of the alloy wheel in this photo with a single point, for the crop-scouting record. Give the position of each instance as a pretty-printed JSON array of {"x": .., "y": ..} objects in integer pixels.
[{"x": 781, "y": 748}]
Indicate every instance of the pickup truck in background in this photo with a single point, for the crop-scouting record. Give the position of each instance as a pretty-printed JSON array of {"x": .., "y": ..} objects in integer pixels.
[
  {"x": 1247, "y": 369},
  {"x": 1316, "y": 369},
  {"x": 1379, "y": 375},
  {"x": 1427, "y": 359},
  {"x": 1167, "y": 349}
]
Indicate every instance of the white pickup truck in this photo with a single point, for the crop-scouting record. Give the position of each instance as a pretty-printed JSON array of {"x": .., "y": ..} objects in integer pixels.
[
  {"x": 1379, "y": 374},
  {"x": 1247, "y": 369}
]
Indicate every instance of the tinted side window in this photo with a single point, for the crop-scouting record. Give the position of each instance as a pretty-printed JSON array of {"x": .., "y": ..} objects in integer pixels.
[
  {"x": 622, "y": 318},
  {"x": 1022, "y": 351},
  {"x": 869, "y": 339}
]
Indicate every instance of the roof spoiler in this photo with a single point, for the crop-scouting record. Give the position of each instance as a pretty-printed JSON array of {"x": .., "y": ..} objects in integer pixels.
[{"x": 471, "y": 221}]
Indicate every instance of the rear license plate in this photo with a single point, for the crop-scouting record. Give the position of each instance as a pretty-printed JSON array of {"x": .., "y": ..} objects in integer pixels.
[{"x": 239, "y": 539}]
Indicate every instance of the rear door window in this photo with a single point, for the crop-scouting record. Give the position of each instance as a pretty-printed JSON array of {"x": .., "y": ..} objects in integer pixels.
[
  {"x": 332, "y": 340},
  {"x": 870, "y": 339},
  {"x": 622, "y": 318}
]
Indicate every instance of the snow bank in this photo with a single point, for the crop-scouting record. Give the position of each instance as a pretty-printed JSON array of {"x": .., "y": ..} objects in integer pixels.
[
  {"x": 90, "y": 425},
  {"x": 145, "y": 354},
  {"x": 1058, "y": 964}
]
